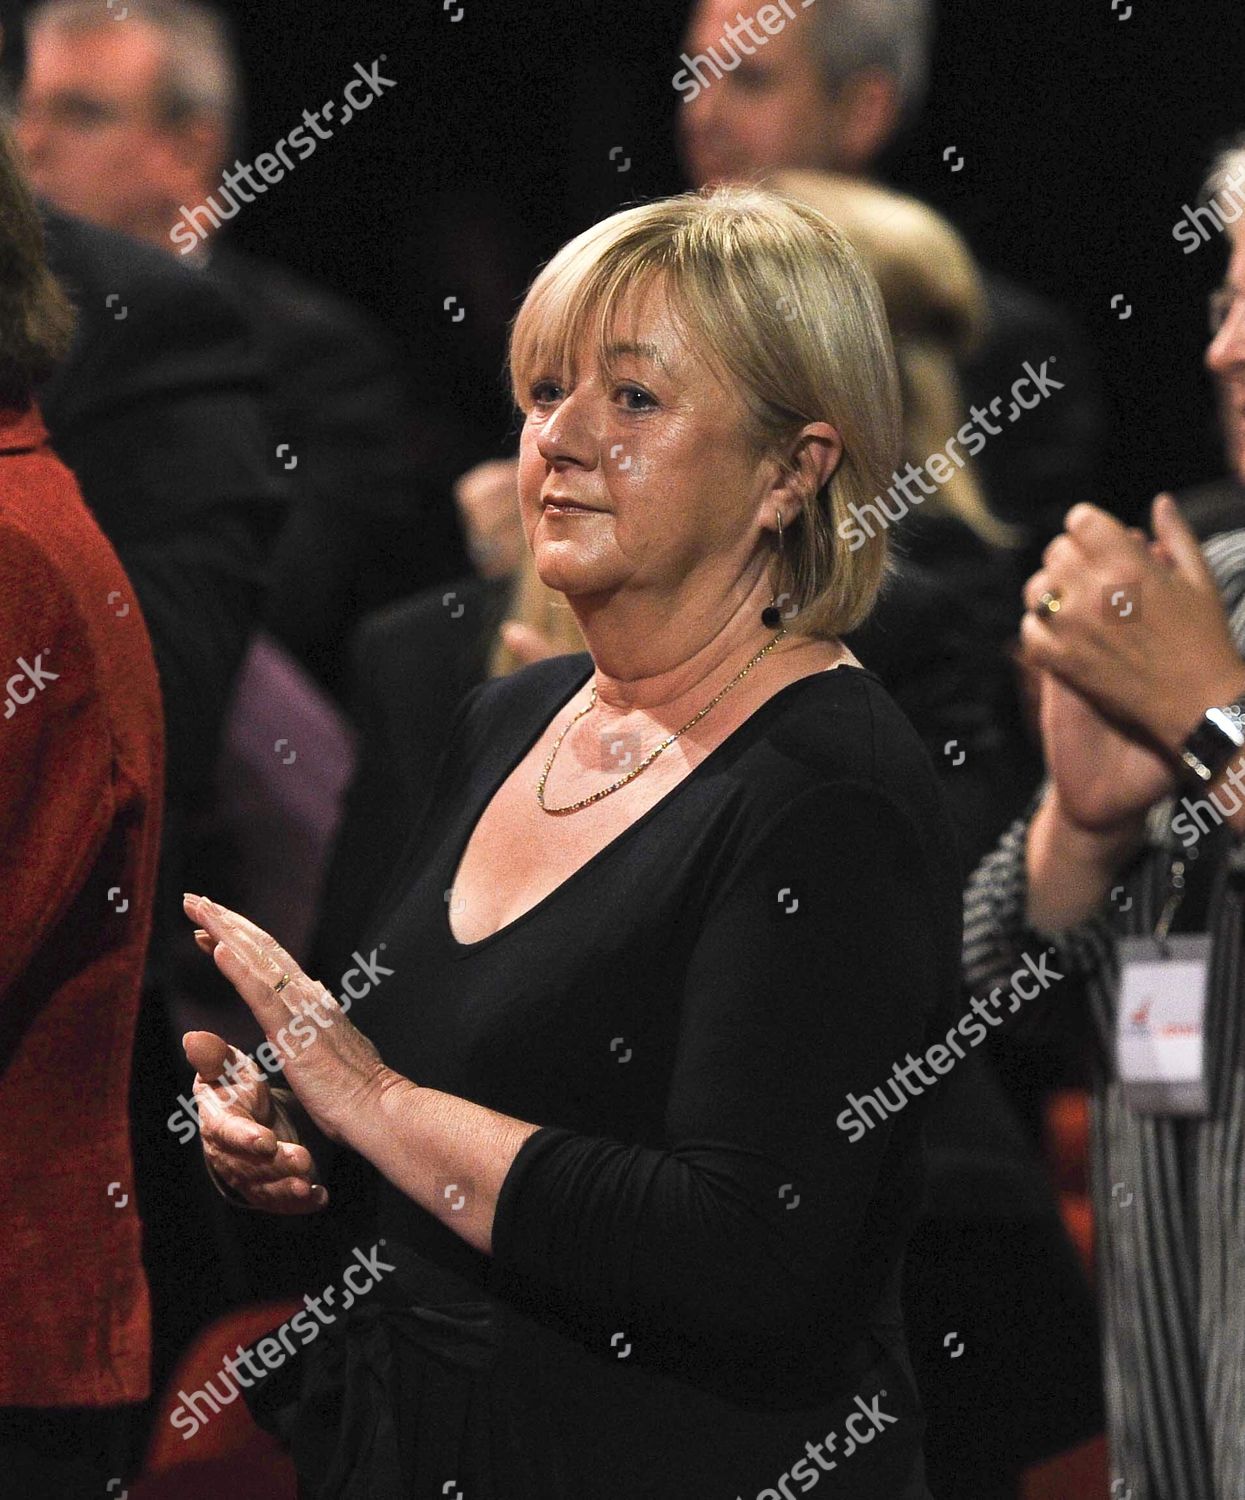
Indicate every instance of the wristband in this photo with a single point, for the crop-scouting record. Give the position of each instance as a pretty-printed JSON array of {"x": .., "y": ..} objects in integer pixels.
[{"x": 1214, "y": 740}]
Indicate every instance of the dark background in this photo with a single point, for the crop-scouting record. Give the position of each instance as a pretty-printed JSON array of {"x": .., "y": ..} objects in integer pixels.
[{"x": 1083, "y": 136}]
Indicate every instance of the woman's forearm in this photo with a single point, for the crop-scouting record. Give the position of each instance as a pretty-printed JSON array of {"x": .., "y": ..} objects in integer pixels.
[
  {"x": 447, "y": 1154},
  {"x": 1069, "y": 869}
]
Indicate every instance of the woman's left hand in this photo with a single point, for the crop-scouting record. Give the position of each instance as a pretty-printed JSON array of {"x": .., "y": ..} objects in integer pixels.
[{"x": 331, "y": 1066}]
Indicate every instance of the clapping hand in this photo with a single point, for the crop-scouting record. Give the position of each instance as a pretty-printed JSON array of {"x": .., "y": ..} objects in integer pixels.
[
  {"x": 1140, "y": 631},
  {"x": 243, "y": 1137},
  {"x": 333, "y": 1069}
]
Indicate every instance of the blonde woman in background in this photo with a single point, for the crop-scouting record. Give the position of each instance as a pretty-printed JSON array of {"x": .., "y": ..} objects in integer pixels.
[
  {"x": 936, "y": 305},
  {"x": 539, "y": 623},
  {"x": 942, "y": 639}
]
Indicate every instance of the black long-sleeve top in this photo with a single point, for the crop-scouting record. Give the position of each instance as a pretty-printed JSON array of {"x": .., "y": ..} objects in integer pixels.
[{"x": 684, "y": 1017}]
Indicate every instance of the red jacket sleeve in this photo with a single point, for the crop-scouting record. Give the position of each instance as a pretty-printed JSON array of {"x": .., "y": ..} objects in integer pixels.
[{"x": 55, "y": 752}]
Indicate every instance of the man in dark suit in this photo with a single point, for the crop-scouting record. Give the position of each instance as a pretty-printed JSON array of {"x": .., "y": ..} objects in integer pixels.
[{"x": 137, "y": 126}]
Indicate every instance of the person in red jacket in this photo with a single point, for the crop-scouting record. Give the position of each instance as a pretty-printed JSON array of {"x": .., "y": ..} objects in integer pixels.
[{"x": 81, "y": 804}]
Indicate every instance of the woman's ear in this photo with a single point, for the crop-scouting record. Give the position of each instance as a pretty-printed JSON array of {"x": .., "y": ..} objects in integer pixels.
[{"x": 812, "y": 458}]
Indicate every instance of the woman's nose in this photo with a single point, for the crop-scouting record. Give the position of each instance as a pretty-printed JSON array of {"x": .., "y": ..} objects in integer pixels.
[{"x": 568, "y": 436}]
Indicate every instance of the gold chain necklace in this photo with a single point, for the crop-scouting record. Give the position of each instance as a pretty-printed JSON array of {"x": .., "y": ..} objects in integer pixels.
[{"x": 652, "y": 756}]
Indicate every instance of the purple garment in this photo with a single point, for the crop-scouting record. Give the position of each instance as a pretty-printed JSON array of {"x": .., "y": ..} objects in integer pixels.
[{"x": 286, "y": 760}]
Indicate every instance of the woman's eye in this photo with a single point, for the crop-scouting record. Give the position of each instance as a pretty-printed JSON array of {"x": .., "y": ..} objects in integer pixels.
[
  {"x": 543, "y": 392},
  {"x": 635, "y": 398}
]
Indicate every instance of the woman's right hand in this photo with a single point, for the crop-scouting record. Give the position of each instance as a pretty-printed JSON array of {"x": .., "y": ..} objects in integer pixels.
[
  {"x": 246, "y": 1142},
  {"x": 1106, "y": 779}
]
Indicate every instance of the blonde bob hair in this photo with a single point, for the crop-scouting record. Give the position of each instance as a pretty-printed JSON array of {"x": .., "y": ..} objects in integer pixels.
[
  {"x": 775, "y": 300},
  {"x": 936, "y": 302}
]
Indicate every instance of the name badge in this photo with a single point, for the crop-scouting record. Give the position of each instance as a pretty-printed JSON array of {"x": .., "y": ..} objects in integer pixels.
[{"x": 1160, "y": 1044}]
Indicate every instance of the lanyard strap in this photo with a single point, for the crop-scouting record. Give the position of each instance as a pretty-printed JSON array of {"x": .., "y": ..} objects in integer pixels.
[
  {"x": 1191, "y": 880},
  {"x": 1175, "y": 895}
]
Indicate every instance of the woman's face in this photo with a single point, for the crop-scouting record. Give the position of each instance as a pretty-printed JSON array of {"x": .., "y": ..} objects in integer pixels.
[{"x": 662, "y": 495}]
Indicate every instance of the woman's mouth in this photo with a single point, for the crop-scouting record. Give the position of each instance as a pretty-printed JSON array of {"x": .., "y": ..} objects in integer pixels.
[{"x": 568, "y": 508}]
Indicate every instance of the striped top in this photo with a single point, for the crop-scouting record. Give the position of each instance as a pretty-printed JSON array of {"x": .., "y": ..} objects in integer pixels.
[{"x": 1168, "y": 1192}]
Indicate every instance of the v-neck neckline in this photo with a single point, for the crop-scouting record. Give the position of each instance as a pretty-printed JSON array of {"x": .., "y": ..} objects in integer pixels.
[{"x": 480, "y": 806}]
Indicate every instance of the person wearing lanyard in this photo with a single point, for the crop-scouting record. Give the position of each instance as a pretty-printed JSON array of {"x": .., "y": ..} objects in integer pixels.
[
  {"x": 1127, "y": 878},
  {"x": 1130, "y": 864}
]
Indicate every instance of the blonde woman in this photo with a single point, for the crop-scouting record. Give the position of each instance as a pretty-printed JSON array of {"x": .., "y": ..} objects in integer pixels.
[
  {"x": 936, "y": 306},
  {"x": 674, "y": 903}
]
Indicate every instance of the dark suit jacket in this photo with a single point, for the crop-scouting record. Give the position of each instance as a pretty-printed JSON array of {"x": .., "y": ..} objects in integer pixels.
[
  {"x": 157, "y": 411},
  {"x": 364, "y": 529},
  {"x": 81, "y": 784},
  {"x": 1048, "y": 459},
  {"x": 1211, "y": 508}
]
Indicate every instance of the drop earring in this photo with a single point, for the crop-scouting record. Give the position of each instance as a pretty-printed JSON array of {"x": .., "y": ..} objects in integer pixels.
[{"x": 771, "y": 615}]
